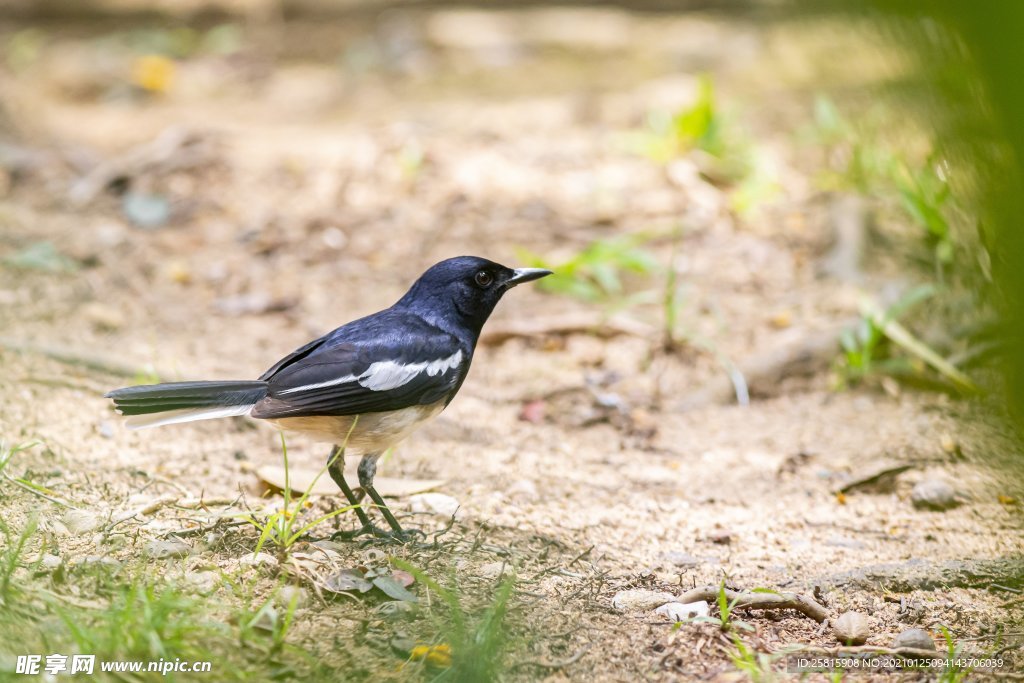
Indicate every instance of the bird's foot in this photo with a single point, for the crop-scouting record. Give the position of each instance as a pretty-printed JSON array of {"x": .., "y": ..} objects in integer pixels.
[{"x": 397, "y": 536}]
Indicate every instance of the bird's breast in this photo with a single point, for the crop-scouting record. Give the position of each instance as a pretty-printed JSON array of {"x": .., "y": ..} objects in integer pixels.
[{"x": 371, "y": 433}]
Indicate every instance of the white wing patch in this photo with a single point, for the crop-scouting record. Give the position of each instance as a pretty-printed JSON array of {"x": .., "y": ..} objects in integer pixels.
[{"x": 387, "y": 374}]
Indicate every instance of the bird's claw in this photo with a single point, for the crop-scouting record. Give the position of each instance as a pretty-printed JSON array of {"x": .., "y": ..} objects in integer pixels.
[{"x": 400, "y": 537}]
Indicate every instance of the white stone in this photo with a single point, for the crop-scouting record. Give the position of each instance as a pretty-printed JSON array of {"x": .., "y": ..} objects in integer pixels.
[
  {"x": 678, "y": 611},
  {"x": 434, "y": 503},
  {"x": 258, "y": 560}
]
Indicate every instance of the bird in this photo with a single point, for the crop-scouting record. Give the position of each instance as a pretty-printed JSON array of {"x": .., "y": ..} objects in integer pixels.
[{"x": 363, "y": 387}]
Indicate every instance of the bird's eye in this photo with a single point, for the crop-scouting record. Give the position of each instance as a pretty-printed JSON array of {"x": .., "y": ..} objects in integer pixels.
[{"x": 483, "y": 279}]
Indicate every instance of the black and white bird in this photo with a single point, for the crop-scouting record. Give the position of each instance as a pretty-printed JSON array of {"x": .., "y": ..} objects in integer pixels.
[{"x": 363, "y": 387}]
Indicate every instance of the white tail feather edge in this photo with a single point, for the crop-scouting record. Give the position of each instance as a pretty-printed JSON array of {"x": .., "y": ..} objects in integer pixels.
[{"x": 186, "y": 415}]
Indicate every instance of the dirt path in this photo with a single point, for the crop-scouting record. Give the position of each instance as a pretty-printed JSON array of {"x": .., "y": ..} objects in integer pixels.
[{"x": 312, "y": 195}]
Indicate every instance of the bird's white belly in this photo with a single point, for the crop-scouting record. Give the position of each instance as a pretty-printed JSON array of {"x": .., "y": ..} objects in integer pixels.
[{"x": 373, "y": 432}]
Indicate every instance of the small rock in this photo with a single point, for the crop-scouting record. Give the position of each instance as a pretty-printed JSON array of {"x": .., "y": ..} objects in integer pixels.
[
  {"x": 916, "y": 638},
  {"x": 80, "y": 522},
  {"x": 204, "y": 582},
  {"x": 640, "y": 599},
  {"x": 493, "y": 570},
  {"x": 265, "y": 620},
  {"x": 103, "y": 316},
  {"x": 681, "y": 559},
  {"x": 94, "y": 561},
  {"x": 851, "y": 628},
  {"x": 434, "y": 503},
  {"x": 522, "y": 490},
  {"x": 396, "y": 610},
  {"x": 49, "y": 562},
  {"x": 934, "y": 494},
  {"x": 533, "y": 411},
  {"x": 721, "y": 537},
  {"x": 374, "y": 556},
  {"x": 258, "y": 560},
  {"x": 106, "y": 429},
  {"x": 678, "y": 611},
  {"x": 347, "y": 580},
  {"x": 402, "y": 645},
  {"x": 287, "y": 594},
  {"x": 164, "y": 550},
  {"x": 147, "y": 211}
]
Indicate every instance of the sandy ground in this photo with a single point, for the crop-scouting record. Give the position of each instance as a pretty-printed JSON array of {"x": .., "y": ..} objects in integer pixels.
[{"x": 314, "y": 194}]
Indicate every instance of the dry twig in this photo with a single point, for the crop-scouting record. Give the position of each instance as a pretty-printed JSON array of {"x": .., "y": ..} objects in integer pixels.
[{"x": 795, "y": 601}]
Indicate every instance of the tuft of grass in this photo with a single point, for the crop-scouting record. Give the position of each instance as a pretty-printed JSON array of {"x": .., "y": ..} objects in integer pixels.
[
  {"x": 282, "y": 528},
  {"x": 725, "y": 154},
  {"x": 267, "y": 620},
  {"x": 953, "y": 673},
  {"x": 701, "y": 127},
  {"x": 41, "y": 256},
  {"x": 11, "y": 557},
  {"x": 472, "y": 649},
  {"x": 144, "y": 621},
  {"x": 7, "y": 453},
  {"x": 858, "y": 159},
  {"x": 925, "y": 197},
  {"x": 879, "y": 345}
]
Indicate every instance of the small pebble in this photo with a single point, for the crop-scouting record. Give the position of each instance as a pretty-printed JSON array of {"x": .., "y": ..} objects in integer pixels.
[
  {"x": 678, "y": 611},
  {"x": 91, "y": 561},
  {"x": 204, "y": 582},
  {"x": 164, "y": 550},
  {"x": 396, "y": 610},
  {"x": 494, "y": 570},
  {"x": 285, "y": 596},
  {"x": 265, "y": 620},
  {"x": 79, "y": 522},
  {"x": 681, "y": 559},
  {"x": 640, "y": 599},
  {"x": 258, "y": 560},
  {"x": 106, "y": 429},
  {"x": 148, "y": 211},
  {"x": 434, "y": 503},
  {"x": 522, "y": 490},
  {"x": 851, "y": 628},
  {"x": 721, "y": 537},
  {"x": 49, "y": 562},
  {"x": 102, "y": 316},
  {"x": 916, "y": 638},
  {"x": 933, "y": 494}
]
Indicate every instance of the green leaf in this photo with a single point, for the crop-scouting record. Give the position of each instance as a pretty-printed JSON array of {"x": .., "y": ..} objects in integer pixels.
[{"x": 41, "y": 256}]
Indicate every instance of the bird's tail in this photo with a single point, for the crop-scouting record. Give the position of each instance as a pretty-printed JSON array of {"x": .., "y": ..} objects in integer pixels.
[{"x": 152, "y": 405}]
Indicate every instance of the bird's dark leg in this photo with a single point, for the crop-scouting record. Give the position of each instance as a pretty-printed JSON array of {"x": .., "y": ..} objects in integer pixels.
[
  {"x": 367, "y": 470},
  {"x": 336, "y": 468}
]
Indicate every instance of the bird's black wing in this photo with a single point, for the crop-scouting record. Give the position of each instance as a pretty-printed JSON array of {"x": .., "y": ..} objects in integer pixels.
[
  {"x": 293, "y": 357},
  {"x": 375, "y": 366}
]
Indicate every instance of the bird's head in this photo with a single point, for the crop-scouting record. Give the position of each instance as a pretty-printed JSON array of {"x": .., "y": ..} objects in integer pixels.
[{"x": 464, "y": 290}]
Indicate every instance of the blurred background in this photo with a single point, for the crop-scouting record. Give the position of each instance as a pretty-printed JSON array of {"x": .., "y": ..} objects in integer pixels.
[{"x": 785, "y": 321}]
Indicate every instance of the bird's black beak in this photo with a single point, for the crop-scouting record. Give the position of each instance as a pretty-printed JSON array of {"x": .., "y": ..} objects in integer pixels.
[{"x": 521, "y": 275}]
